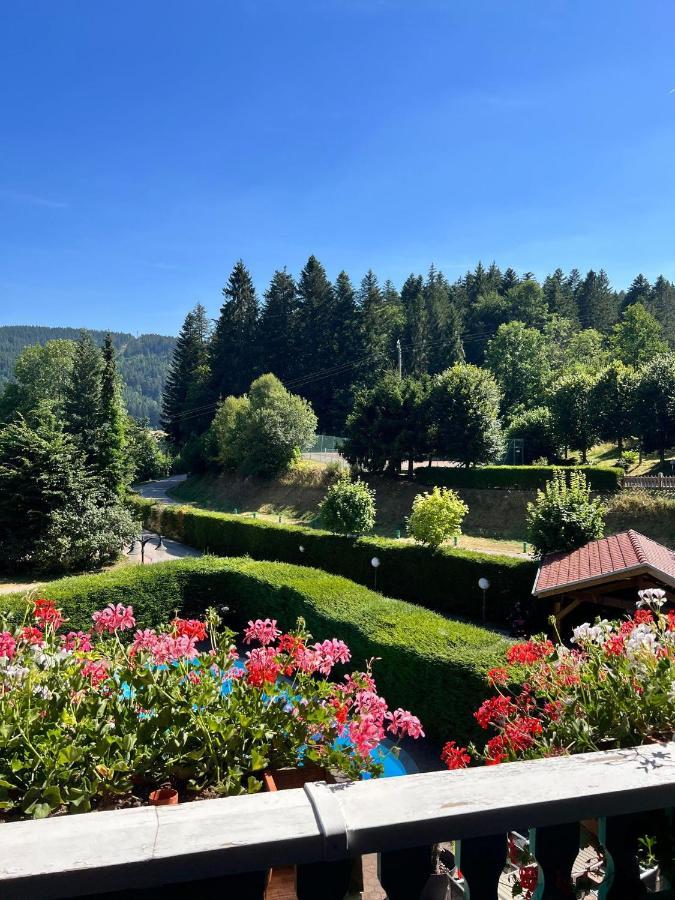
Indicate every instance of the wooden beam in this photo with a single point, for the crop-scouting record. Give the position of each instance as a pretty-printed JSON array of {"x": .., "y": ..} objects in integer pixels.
[{"x": 566, "y": 610}]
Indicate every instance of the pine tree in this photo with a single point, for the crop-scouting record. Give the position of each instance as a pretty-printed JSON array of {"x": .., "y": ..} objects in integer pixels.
[
  {"x": 416, "y": 327},
  {"x": 378, "y": 323},
  {"x": 110, "y": 462},
  {"x": 661, "y": 305},
  {"x": 444, "y": 321},
  {"x": 319, "y": 333},
  {"x": 493, "y": 278},
  {"x": 82, "y": 408},
  {"x": 559, "y": 296},
  {"x": 234, "y": 350},
  {"x": 377, "y": 328},
  {"x": 476, "y": 283},
  {"x": 349, "y": 350},
  {"x": 639, "y": 292},
  {"x": 186, "y": 397},
  {"x": 278, "y": 328},
  {"x": 509, "y": 279},
  {"x": 598, "y": 305}
]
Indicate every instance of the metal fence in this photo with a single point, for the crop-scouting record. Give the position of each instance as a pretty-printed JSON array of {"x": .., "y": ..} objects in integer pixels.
[{"x": 326, "y": 448}]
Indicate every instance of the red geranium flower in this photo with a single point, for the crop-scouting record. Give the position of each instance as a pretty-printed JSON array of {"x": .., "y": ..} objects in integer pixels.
[
  {"x": 529, "y": 652},
  {"x": 455, "y": 757}
]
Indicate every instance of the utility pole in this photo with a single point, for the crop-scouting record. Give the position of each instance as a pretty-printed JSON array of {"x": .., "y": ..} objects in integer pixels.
[{"x": 400, "y": 358}]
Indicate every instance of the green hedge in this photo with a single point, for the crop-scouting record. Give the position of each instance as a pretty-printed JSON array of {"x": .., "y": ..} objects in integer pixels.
[
  {"x": 444, "y": 580},
  {"x": 431, "y": 665},
  {"x": 520, "y": 478}
]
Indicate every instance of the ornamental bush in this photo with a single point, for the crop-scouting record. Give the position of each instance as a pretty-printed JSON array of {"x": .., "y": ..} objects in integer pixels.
[
  {"x": 436, "y": 517},
  {"x": 349, "y": 507},
  {"x": 94, "y": 718},
  {"x": 563, "y": 516}
]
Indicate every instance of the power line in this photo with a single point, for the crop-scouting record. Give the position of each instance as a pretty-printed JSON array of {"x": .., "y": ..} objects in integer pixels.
[{"x": 331, "y": 371}]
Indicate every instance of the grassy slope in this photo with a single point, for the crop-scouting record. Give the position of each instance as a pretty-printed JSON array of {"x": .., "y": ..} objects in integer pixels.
[
  {"x": 496, "y": 520},
  {"x": 495, "y": 523}
]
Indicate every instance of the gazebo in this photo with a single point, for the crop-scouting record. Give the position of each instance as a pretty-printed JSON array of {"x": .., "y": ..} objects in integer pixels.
[{"x": 607, "y": 573}]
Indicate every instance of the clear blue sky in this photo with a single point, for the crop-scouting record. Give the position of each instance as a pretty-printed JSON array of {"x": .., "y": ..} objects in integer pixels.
[{"x": 146, "y": 145}]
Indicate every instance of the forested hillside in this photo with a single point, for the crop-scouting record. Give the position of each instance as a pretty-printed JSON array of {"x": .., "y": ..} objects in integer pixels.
[
  {"x": 142, "y": 361},
  {"x": 330, "y": 341}
]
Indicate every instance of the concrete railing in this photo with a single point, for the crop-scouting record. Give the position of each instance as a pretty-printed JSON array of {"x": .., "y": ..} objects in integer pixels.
[{"x": 225, "y": 847}]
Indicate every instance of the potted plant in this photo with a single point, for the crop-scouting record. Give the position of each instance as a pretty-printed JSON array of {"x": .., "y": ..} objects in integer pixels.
[
  {"x": 109, "y": 716},
  {"x": 614, "y": 687}
]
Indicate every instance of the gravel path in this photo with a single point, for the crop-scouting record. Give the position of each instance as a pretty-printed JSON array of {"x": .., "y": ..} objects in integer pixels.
[{"x": 157, "y": 490}]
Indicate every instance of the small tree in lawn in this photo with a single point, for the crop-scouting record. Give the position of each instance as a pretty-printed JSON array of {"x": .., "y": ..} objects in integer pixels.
[
  {"x": 563, "y": 516},
  {"x": 348, "y": 507},
  {"x": 436, "y": 517}
]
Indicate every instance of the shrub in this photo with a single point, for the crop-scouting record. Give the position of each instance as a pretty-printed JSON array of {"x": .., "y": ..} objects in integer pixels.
[
  {"x": 521, "y": 478},
  {"x": 430, "y": 664},
  {"x": 445, "y": 580},
  {"x": 628, "y": 460},
  {"x": 436, "y": 517},
  {"x": 348, "y": 507},
  {"x": 195, "y": 718},
  {"x": 147, "y": 459},
  {"x": 535, "y": 428},
  {"x": 563, "y": 517}
]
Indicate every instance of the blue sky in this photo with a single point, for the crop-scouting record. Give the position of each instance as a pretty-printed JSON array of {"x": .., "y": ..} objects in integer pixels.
[{"x": 145, "y": 146}]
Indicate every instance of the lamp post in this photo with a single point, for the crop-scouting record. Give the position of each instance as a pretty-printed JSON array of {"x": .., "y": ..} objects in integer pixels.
[
  {"x": 483, "y": 584},
  {"x": 375, "y": 563},
  {"x": 143, "y": 540}
]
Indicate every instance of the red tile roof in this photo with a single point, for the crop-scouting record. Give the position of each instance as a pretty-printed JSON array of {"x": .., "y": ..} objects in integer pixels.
[{"x": 599, "y": 559}]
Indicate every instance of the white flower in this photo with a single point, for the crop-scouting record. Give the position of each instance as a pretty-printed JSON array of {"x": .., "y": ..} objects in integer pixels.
[
  {"x": 596, "y": 634},
  {"x": 16, "y": 672},
  {"x": 671, "y": 693},
  {"x": 641, "y": 639},
  {"x": 652, "y": 597},
  {"x": 43, "y": 691}
]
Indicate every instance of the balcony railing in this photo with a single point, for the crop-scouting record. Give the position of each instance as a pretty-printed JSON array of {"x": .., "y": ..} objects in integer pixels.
[{"x": 225, "y": 848}]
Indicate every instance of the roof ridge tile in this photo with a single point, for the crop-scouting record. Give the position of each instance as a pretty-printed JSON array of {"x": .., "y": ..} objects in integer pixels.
[{"x": 635, "y": 539}]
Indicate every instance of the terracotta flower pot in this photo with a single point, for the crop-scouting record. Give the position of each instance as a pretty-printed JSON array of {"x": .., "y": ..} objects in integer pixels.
[
  {"x": 165, "y": 796},
  {"x": 281, "y": 884}
]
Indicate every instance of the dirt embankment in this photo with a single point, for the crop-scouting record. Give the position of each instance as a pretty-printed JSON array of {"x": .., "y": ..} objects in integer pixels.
[{"x": 296, "y": 496}]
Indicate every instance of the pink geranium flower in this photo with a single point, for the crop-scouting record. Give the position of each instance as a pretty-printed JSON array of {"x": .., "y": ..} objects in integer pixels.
[
  {"x": 114, "y": 618},
  {"x": 77, "y": 640},
  {"x": 403, "y": 723},
  {"x": 96, "y": 670},
  {"x": 32, "y": 636},
  {"x": 264, "y": 631},
  {"x": 7, "y": 644},
  {"x": 365, "y": 733}
]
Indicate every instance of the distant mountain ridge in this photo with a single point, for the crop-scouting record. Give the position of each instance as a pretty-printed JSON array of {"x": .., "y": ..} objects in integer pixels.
[{"x": 143, "y": 361}]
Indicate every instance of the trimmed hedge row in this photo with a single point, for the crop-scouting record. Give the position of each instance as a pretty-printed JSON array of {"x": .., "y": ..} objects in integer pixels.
[
  {"x": 431, "y": 665},
  {"x": 520, "y": 478},
  {"x": 444, "y": 580}
]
